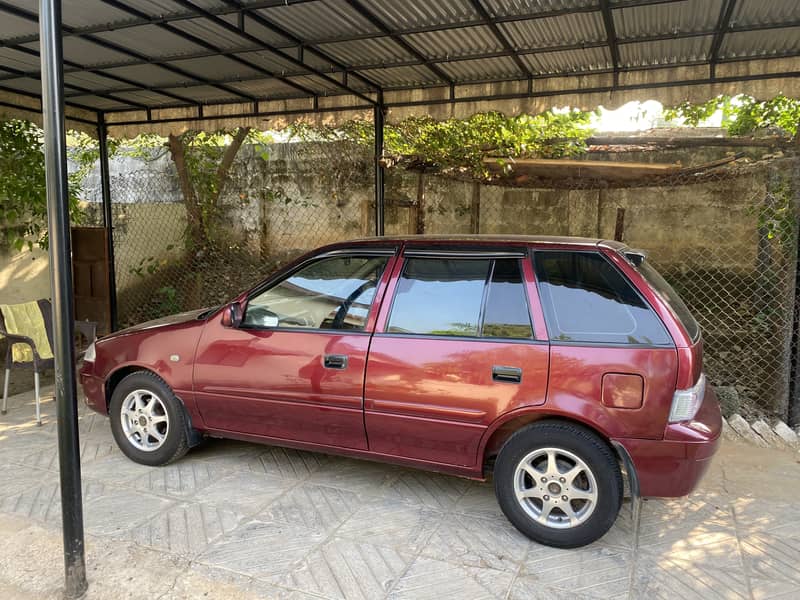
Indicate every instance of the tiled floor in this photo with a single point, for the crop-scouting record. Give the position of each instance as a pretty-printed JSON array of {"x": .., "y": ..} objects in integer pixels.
[{"x": 279, "y": 523}]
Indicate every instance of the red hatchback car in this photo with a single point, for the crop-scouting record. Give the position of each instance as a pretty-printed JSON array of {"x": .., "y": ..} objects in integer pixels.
[{"x": 556, "y": 363}]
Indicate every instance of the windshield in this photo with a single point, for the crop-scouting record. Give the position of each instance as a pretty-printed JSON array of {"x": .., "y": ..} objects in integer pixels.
[{"x": 670, "y": 296}]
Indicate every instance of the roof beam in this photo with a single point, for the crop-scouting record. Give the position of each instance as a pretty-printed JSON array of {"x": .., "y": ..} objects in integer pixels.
[
  {"x": 34, "y": 17},
  {"x": 264, "y": 46},
  {"x": 611, "y": 33},
  {"x": 722, "y": 27},
  {"x": 264, "y": 22},
  {"x": 209, "y": 46},
  {"x": 372, "y": 18},
  {"x": 500, "y": 37}
]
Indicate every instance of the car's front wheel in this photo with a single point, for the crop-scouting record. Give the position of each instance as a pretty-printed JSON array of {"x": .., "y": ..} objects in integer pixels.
[
  {"x": 558, "y": 483},
  {"x": 147, "y": 420}
]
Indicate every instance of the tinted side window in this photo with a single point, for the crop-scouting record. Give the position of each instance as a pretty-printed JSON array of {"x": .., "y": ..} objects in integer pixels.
[
  {"x": 506, "y": 314},
  {"x": 586, "y": 299},
  {"x": 439, "y": 297},
  {"x": 331, "y": 293}
]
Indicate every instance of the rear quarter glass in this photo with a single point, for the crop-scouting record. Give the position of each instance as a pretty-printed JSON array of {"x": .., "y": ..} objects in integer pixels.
[{"x": 588, "y": 300}]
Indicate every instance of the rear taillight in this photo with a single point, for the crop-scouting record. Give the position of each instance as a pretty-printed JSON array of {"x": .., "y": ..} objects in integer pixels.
[{"x": 686, "y": 403}]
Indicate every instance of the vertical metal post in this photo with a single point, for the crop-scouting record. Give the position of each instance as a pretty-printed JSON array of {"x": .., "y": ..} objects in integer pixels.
[
  {"x": 108, "y": 223},
  {"x": 55, "y": 153},
  {"x": 379, "y": 184}
]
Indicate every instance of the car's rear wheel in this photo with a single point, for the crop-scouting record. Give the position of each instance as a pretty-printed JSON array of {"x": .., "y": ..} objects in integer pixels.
[
  {"x": 147, "y": 420},
  {"x": 558, "y": 483}
]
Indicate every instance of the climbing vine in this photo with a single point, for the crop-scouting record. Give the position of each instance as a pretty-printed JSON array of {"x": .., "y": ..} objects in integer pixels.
[
  {"x": 742, "y": 114},
  {"x": 424, "y": 143}
]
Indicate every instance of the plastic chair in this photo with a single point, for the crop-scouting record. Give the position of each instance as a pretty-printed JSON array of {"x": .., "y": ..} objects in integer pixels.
[{"x": 86, "y": 328}]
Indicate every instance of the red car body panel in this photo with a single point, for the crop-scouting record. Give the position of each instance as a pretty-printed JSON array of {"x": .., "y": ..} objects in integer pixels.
[{"x": 427, "y": 401}]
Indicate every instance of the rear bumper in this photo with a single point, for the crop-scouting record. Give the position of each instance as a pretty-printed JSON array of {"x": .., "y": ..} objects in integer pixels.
[{"x": 674, "y": 466}]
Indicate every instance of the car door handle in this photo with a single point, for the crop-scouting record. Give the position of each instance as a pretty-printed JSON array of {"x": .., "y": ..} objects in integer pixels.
[
  {"x": 335, "y": 361},
  {"x": 507, "y": 374}
]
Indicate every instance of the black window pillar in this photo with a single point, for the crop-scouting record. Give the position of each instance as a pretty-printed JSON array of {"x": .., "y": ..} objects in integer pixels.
[
  {"x": 108, "y": 222},
  {"x": 55, "y": 154},
  {"x": 379, "y": 111}
]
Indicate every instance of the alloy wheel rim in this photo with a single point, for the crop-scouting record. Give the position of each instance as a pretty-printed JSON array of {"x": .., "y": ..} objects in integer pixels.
[
  {"x": 556, "y": 488},
  {"x": 144, "y": 420}
]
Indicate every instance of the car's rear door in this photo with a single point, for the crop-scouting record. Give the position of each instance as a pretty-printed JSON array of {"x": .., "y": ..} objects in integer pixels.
[
  {"x": 303, "y": 379},
  {"x": 453, "y": 349}
]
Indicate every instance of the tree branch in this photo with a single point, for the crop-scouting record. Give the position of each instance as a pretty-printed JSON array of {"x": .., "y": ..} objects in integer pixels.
[{"x": 227, "y": 159}]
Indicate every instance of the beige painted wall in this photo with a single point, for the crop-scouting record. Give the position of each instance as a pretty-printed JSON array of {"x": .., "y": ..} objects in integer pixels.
[{"x": 24, "y": 276}]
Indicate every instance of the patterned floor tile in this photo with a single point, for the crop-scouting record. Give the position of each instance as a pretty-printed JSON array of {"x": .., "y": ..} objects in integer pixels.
[
  {"x": 47, "y": 457},
  {"x": 286, "y": 463},
  {"x": 346, "y": 570},
  {"x": 186, "y": 529},
  {"x": 699, "y": 520},
  {"x": 116, "y": 469},
  {"x": 429, "y": 489},
  {"x": 772, "y": 562},
  {"x": 42, "y": 503},
  {"x": 314, "y": 506},
  {"x": 243, "y": 492},
  {"x": 389, "y": 523},
  {"x": 475, "y": 542},
  {"x": 262, "y": 549},
  {"x": 118, "y": 511},
  {"x": 479, "y": 500},
  {"x": 180, "y": 479},
  {"x": 595, "y": 571},
  {"x": 686, "y": 570},
  {"x": 365, "y": 478},
  {"x": 429, "y": 579},
  {"x": 17, "y": 478}
]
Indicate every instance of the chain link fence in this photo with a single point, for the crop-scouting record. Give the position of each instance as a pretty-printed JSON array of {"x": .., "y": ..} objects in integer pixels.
[{"x": 725, "y": 239}]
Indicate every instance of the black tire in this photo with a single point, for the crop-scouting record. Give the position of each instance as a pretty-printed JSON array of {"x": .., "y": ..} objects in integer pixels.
[
  {"x": 175, "y": 443},
  {"x": 580, "y": 442}
]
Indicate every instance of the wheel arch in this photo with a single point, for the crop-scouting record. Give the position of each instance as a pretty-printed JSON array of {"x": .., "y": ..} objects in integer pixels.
[
  {"x": 115, "y": 377},
  {"x": 506, "y": 425}
]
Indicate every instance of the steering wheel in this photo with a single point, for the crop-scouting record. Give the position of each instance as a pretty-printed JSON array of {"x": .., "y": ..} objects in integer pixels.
[{"x": 338, "y": 320}]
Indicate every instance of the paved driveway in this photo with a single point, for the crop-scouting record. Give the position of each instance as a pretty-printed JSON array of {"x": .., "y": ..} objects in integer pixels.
[{"x": 240, "y": 520}]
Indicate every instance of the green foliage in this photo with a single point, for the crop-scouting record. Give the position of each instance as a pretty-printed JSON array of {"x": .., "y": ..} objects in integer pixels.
[
  {"x": 742, "y": 114},
  {"x": 423, "y": 142},
  {"x": 23, "y": 196}
]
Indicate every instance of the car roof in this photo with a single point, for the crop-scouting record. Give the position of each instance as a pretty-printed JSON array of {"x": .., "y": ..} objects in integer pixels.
[{"x": 480, "y": 239}]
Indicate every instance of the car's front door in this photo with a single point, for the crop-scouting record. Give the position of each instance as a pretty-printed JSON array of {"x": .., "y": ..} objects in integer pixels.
[
  {"x": 294, "y": 368},
  {"x": 454, "y": 350}
]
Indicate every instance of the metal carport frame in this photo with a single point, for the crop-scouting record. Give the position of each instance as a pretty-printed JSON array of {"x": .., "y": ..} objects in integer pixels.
[{"x": 170, "y": 65}]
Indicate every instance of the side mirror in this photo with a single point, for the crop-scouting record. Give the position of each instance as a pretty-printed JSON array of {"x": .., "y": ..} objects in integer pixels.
[{"x": 232, "y": 315}]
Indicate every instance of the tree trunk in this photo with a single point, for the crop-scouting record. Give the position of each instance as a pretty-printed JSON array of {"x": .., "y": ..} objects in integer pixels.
[{"x": 194, "y": 214}]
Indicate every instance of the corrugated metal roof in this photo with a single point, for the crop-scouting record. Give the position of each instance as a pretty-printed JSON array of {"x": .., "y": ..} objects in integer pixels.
[
  {"x": 12, "y": 27},
  {"x": 654, "y": 33},
  {"x": 455, "y": 42},
  {"x": 502, "y": 67},
  {"x": 690, "y": 16},
  {"x": 214, "y": 34},
  {"x": 498, "y": 8},
  {"x": 765, "y": 12},
  {"x": 665, "y": 52},
  {"x": 99, "y": 103},
  {"x": 222, "y": 67},
  {"x": 323, "y": 19},
  {"x": 571, "y": 61},
  {"x": 151, "y": 41},
  {"x": 369, "y": 51},
  {"x": 148, "y": 75},
  {"x": 205, "y": 93},
  {"x": 401, "y": 76},
  {"x": 755, "y": 43},
  {"x": 265, "y": 88},
  {"x": 411, "y": 14},
  {"x": 555, "y": 31},
  {"x": 271, "y": 62}
]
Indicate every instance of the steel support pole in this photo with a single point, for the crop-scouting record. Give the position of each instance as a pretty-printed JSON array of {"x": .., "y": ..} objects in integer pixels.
[
  {"x": 108, "y": 222},
  {"x": 379, "y": 183},
  {"x": 55, "y": 153}
]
